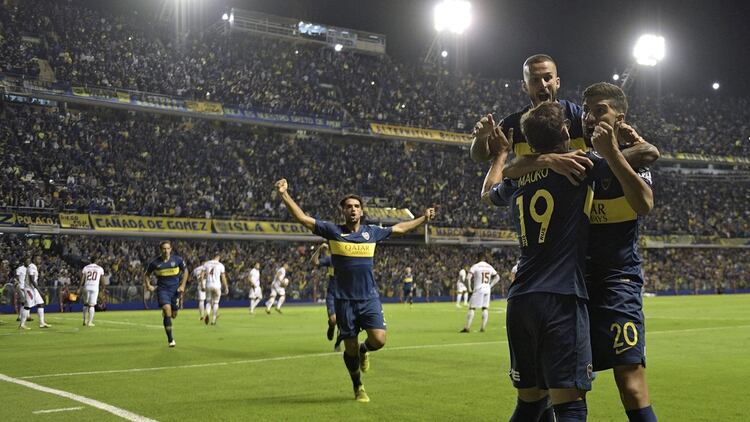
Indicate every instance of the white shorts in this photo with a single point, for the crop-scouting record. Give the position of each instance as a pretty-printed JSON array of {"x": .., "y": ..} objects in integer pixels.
[
  {"x": 31, "y": 298},
  {"x": 461, "y": 287},
  {"x": 479, "y": 299},
  {"x": 90, "y": 296},
  {"x": 213, "y": 294},
  {"x": 201, "y": 295},
  {"x": 255, "y": 293},
  {"x": 280, "y": 291}
]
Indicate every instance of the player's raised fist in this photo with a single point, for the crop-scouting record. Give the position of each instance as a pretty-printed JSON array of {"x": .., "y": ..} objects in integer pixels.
[
  {"x": 604, "y": 140},
  {"x": 429, "y": 214},
  {"x": 484, "y": 126},
  {"x": 498, "y": 142},
  {"x": 281, "y": 186}
]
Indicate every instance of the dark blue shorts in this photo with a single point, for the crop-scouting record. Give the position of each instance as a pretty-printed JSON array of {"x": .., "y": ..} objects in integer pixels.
[
  {"x": 408, "y": 289},
  {"x": 329, "y": 301},
  {"x": 618, "y": 334},
  {"x": 167, "y": 295},
  {"x": 355, "y": 315},
  {"x": 548, "y": 337}
]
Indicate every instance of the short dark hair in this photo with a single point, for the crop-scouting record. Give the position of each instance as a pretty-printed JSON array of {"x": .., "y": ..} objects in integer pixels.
[
  {"x": 163, "y": 242},
  {"x": 610, "y": 92},
  {"x": 538, "y": 58},
  {"x": 542, "y": 126},
  {"x": 352, "y": 196}
]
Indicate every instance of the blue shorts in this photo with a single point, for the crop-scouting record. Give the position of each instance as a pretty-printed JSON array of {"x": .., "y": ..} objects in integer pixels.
[
  {"x": 548, "y": 337},
  {"x": 618, "y": 334},
  {"x": 329, "y": 301},
  {"x": 408, "y": 289},
  {"x": 167, "y": 295},
  {"x": 355, "y": 315}
]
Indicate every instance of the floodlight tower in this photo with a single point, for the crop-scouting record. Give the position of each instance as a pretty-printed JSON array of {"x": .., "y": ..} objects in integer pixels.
[
  {"x": 649, "y": 50},
  {"x": 451, "y": 19}
]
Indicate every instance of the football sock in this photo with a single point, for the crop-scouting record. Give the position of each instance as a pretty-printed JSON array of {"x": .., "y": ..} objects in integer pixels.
[
  {"x": 24, "y": 315},
  {"x": 280, "y": 302},
  {"x": 485, "y": 317},
  {"x": 572, "y": 411},
  {"x": 92, "y": 310},
  {"x": 85, "y": 314},
  {"x": 458, "y": 299},
  {"x": 168, "y": 328},
  {"x": 352, "y": 364},
  {"x": 367, "y": 347},
  {"x": 40, "y": 312},
  {"x": 645, "y": 414},
  {"x": 215, "y": 312},
  {"x": 528, "y": 411},
  {"x": 469, "y": 318},
  {"x": 201, "y": 308},
  {"x": 269, "y": 303}
]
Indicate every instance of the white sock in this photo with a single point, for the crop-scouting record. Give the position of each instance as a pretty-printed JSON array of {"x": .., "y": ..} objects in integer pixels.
[
  {"x": 466, "y": 299},
  {"x": 40, "y": 312},
  {"x": 280, "y": 302},
  {"x": 24, "y": 315},
  {"x": 201, "y": 308},
  {"x": 254, "y": 303},
  {"x": 92, "y": 311},
  {"x": 269, "y": 303},
  {"x": 469, "y": 318},
  {"x": 485, "y": 317},
  {"x": 215, "y": 308},
  {"x": 85, "y": 314},
  {"x": 458, "y": 299}
]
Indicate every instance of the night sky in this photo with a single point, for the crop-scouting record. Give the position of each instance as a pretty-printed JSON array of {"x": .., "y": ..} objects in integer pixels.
[{"x": 707, "y": 41}]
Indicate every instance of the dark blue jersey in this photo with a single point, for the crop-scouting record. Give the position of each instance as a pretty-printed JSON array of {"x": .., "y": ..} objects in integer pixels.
[
  {"x": 352, "y": 256},
  {"x": 613, "y": 237},
  {"x": 408, "y": 279},
  {"x": 551, "y": 217},
  {"x": 167, "y": 272},
  {"x": 519, "y": 146}
]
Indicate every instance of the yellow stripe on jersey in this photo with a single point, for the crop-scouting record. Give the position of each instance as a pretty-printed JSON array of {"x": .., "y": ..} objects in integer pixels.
[
  {"x": 166, "y": 272},
  {"x": 523, "y": 148},
  {"x": 408, "y": 279},
  {"x": 608, "y": 211},
  {"x": 588, "y": 203},
  {"x": 354, "y": 250}
]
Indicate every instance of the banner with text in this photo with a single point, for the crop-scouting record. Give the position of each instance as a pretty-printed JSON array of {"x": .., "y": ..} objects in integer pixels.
[
  {"x": 260, "y": 227},
  {"x": 418, "y": 133},
  {"x": 74, "y": 221},
  {"x": 669, "y": 241},
  {"x": 472, "y": 233},
  {"x": 150, "y": 224},
  {"x": 388, "y": 214},
  {"x": 687, "y": 156}
]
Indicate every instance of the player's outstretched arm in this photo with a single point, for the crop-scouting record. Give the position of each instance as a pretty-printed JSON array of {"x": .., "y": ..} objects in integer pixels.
[
  {"x": 407, "y": 226},
  {"x": 282, "y": 188},
  {"x": 636, "y": 190},
  {"x": 495, "y": 173},
  {"x": 637, "y": 152},
  {"x": 315, "y": 258}
]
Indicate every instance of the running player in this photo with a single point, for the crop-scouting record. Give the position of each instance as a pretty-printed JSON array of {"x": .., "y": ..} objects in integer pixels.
[
  {"x": 278, "y": 288},
  {"x": 216, "y": 283},
  {"x": 356, "y": 297},
  {"x": 171, "y": 277}
]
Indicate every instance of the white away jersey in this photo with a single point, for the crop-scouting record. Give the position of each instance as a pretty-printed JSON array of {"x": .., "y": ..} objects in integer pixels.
[
  {"x": 32, "y": 275},
  {"x": 92, "y": 274},
  {"x": 21, "y": 276},
  {"x": 279, "y": 277},
  {"x": 255, "y": 278},
  {"x": 481, "y": 276},
  {"x": 214, "y": 269}
]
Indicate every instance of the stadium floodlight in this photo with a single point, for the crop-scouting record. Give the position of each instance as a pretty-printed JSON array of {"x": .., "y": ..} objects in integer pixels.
[
  {"x": 338, "y": 47},
  {"x": 453, "y": 16},
  {"x": 231, "y": 17},
  {"x": 649, "y": 50},
  {"x": 715, "y": 86},
  {"x": 444, "y": 54},
  {"x": 225, "y": 17},
  {"x": 616, "y": 77}
]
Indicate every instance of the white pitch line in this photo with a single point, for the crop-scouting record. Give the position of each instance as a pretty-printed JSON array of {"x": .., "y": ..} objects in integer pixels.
[
  {"x": 107, "y": 321},
  {"x": 64, "y": 409},
  {"x": 81, "y": 399},
  {"x": 313, "y": 355}
]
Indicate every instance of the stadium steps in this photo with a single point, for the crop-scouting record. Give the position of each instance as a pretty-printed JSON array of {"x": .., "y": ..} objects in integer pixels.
[{"x": 46, "y": 73}]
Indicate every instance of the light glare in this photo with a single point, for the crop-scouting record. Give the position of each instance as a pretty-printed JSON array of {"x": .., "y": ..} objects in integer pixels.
[
  {"x": 715, "y": 86},
  {"x": 615, "y": 77},
  {"x": 444, "y": 54},
  {"x": 649, "y": 50},
  {"x": 453, "y": 16}
]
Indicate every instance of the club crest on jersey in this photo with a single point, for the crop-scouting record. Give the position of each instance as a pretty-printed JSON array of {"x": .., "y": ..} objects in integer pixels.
[{"x": 366, "y": 235}]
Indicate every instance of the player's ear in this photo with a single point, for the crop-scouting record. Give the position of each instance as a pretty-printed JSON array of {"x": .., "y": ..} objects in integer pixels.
[{"x": 524, "y": 87}]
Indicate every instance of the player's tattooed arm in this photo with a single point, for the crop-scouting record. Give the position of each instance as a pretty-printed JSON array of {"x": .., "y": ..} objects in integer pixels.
[
  {"x": 637, "y": 152},
  {"x": 294, "y": 209}
]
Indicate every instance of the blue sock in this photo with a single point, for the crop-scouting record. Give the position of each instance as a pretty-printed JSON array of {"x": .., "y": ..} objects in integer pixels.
[
  {"x": 645, "y": 414},
  {"x": 528, "y": 411},
  {"x": 572, "y": 411},
  {"x": 168, "y": 328},
  {"x": 352, "y": 364}
]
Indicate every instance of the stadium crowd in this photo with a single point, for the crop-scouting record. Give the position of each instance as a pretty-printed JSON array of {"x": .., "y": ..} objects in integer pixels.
[
  {"x": 435, "y": 268},
  {"x": 94, "y": 48}
]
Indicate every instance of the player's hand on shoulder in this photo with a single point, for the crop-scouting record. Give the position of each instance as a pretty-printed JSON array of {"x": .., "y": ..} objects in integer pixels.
[
  {"x": 604, "y": 140},
  {"x": 572, "y": 165},
  {"x": 281, "y": 185},
  {"x": 483, "y": 128}
]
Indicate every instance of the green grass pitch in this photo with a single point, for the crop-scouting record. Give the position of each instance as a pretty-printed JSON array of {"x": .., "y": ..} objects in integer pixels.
[{"x": 281, "y": 367}]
